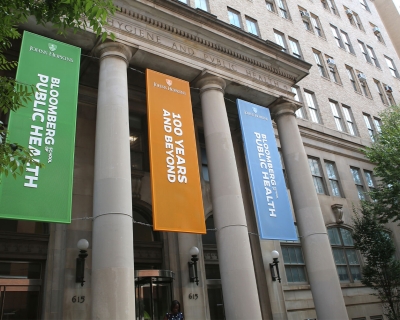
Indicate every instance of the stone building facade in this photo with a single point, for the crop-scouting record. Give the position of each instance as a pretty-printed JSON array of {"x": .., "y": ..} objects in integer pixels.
[{"x": 325, "y": 69}]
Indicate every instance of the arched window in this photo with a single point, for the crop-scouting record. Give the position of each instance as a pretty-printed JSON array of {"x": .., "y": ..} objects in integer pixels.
[
  {"x": 142, "y": 232},
  {"x": 345, "y": 256}
]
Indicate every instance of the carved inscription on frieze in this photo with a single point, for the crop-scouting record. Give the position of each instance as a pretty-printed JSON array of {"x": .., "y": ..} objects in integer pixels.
[{"x": 203, "y": 55}]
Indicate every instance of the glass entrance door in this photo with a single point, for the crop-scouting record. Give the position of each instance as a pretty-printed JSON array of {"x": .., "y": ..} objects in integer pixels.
[
  {"x": 153, "y": 293},
  {"x": 215, "y": 300}
]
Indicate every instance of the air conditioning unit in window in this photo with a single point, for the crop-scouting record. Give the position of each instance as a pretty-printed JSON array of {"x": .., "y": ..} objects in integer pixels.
[
  {"x": 388, "y": 89},
  {"x": 376, "y": 31},
  {"x": 331, "y": 62},
  {"x": 305, "y": 14},
  {"x": 362, "y": 77},
  {"x": 349, "y": 12}
]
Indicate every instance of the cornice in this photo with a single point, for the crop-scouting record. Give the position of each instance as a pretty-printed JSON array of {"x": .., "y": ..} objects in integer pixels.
[
  {"x": 330, "y": 141},
  {"x": 263, "y": 45}
]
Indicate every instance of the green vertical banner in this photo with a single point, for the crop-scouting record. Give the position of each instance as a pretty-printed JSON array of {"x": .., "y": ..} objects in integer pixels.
[{"x": 47, "y": 126}]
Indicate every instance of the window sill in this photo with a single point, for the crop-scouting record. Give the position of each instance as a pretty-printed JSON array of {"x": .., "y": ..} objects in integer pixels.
[
  {"x": 338, "y": 83},
  {"x": 286, "y": 19},
  {"x": 296, "y": 286},
  {"x": 356, "y": 284},
  {"x": 273, "y": 12}
]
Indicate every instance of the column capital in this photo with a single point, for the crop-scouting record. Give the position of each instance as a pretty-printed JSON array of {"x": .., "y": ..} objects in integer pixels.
[
  {"x": 116, "y": 50},
  {"x": 283, "y": 105},
  {"x": 210, "y": 82}
]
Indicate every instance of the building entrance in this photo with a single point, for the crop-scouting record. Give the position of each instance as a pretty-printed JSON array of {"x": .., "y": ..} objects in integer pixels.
[{"x": 153, "y": 293}]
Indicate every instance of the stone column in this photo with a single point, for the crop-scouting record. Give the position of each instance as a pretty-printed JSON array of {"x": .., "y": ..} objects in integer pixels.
[
  {"x": 113, "y": 278},
  {"x": 321, "y": 269},
  {"x": 234, "y": 253}
]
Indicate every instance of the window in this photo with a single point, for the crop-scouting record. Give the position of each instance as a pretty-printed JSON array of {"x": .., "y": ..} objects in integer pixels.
[
  {"x": 333, "y": 70},
  {"x": 283, "y": 11},
  {"x": 316, "y": 173},
  {"x": 333, "y": 178},
  {"x": 358, "y": 21},
  {"x": 307, "y": 25},
  {"x": 354, "y": 19},
  {"x": 295, "y": 47},
  {"x": 270, "y": 5},
  {"x": 337, "y": 37},
  {"x": 380, "y": 91},
  {"x": 348, "y": 116},
  {"x": 355, "y": 172},
  {"x": 203, "y": 154},
  {"x": 350, "y": 16},
  {"x": 283, "y": 169},
  {"x": 280, "y": 39},
  {"x": 370, "y": 180},
  {"x": 295, "y": 268},
  {"x": 377, "y": 123},
  {"x": 139, "y": 156},
  {"x": 204, "y": 165},
  {"x": 317, "y": 25},
  {"x": 330, "y": 6},
  {"x": 252, "y": 26},
  {"x": 321, "y": 67},
  {"x": 350, "y": 73},
  {"x": 305, "y": 16},
  {"x": 336, "y": 115},
  {"x": 347, "y": 43},
  {"x": 389, "y": 95},
  {"x": 344, "y": 254},
  {"x": 201, "y": 4},
  {"x": 364, "y": 51},
  {"x": 368, "y": 123},
  {"x": 364, "y": 87},
  {"x": 373, "y": 57},
  {"x": 234, "y": 18},
  {"x": 312, "y": 106},
  {"x": 391, "y": 66},
  {"x": 299, "y": 112},
  {"x": 377, "y": 33},
  {"x": 294, "y": 263},
  {"x": 364, "y": 4}
]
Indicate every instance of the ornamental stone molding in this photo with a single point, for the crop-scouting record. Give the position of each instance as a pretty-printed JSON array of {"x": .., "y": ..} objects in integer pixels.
[{"x": 338, "y": 212}]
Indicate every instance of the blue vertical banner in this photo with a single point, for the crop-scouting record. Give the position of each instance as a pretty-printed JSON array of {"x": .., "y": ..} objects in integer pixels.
[{"x": 270, "y": 198}]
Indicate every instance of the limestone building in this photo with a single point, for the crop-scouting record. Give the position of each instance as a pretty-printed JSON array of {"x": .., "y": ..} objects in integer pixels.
[{"x": 325, "y": 69}]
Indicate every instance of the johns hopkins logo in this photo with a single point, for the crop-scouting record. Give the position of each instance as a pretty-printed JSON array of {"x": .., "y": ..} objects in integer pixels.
[
  {"x": 255, "y": 109},
  {"x": 169, "y": 82},
  {"x": 52, "y": 47}
]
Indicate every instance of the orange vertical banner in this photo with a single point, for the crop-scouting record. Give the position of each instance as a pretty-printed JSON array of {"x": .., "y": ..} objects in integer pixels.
[{"x": 175, "y": 180}]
